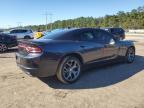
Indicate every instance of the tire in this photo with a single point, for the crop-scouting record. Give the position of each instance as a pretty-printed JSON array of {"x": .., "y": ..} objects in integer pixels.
[
  {"x": 130, "y": 55},
  {"x": 3, "y": 47},
  {"x": 69, "y": 70},
  {"x": 27, "y": 37}
]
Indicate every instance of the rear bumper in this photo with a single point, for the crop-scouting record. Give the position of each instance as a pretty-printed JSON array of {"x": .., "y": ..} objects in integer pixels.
[
  {"x": 37, "y": 66},
  {"x": 29, "y": 71}
]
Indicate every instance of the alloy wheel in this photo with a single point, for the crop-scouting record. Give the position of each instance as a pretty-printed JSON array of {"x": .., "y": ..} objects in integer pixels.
[
  {"x": 3, "y": 47},
  {"x": 130, "y": 55},
  {"x": 71, "y": 70}
]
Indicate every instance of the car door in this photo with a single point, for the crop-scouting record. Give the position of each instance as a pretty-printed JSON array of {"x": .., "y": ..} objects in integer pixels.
[
  {"x": 15, "y": 33},
  {"x": 92, "y": 51},
  {"x": 21, "y": 34},
  {"x": 110, "y": 47}
]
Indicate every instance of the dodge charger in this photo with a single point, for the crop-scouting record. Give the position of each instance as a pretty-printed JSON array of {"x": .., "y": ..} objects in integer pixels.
[{"x": 65, "y": 53}]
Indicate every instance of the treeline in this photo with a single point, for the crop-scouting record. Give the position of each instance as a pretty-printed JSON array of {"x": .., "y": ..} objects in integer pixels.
[{"x": 127, "y": 20}]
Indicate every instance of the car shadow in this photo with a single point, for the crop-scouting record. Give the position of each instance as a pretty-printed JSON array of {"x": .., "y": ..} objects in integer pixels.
[
  {"x": 10, "y": 53},
  {"x": 12, "y": 50},
  {"x": 100, "y": 76}
]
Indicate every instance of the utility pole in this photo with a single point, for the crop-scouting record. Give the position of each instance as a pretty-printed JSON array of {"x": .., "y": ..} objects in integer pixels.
[
  {"x": 46, "y": 18},
  {"x": 51, "y": 16},
  {"x": 19, "y": 24}
]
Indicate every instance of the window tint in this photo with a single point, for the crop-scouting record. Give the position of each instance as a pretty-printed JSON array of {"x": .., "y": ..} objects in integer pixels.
[
  {"x": 30, "y": 31},
  {"x": 22, "y": 31},
  {"x": 18, "y": 31},
  {"x": 116, "y": 30},
  {"x": 57, "y": 35},
  {"x": 69, "y": 36},
  {"x": 87, "y": 36},
  {"x": 13, "y": 31},
  {"x": 103, "y": 36}
]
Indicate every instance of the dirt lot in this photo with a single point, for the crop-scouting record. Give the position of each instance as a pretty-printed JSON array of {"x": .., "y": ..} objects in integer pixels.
[{"x": 115, "y": 86}]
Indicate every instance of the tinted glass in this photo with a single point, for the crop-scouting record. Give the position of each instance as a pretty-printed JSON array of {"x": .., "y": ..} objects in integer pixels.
[
  {"x": 87, "y": 36},
  {"x": 30, "y": 31},
  {"x": 117, "y": 30},
  {"x": 18, "y": 31},
  {"x": 23, "y": 31},
  {"x": 13, "y": 31},
  {"x": 56, "y": 35},
  {"x": 102, "y": 36}
]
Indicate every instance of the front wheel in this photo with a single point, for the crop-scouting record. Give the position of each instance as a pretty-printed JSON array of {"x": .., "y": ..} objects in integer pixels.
[
  {"x": 69, "y": 70},
  {"x": 130, "y": 55}
]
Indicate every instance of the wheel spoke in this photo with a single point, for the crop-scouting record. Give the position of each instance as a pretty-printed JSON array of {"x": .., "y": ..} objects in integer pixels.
[
  {"x": 131, "y": 54},
  {"x": 3, "y": 47},
  {"x": 71, "y": 70}
]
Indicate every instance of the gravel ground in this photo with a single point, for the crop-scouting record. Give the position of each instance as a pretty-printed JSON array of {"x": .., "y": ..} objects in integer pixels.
[{"x": 115, "y": 86}]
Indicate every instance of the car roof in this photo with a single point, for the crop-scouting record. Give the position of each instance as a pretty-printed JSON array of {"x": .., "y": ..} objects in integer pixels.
[
  {"x": 20, "y": 29},
  {"x": 112, "y": 28},
  {"x": 79, "y": 29}
]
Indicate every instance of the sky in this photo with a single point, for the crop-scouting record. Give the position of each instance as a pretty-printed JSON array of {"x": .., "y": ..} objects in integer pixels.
[{"x": 31, "y": 12}]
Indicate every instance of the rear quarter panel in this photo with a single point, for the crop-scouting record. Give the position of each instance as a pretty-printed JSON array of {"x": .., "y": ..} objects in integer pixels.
[{"x": 124, "y": 45}]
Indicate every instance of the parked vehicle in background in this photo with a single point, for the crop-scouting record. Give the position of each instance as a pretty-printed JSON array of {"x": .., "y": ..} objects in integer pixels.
[
  {"x": 119, "y": 33},
  {"x": 65, "y": 53},
  {"x": 22, "y": 33},
  {"x": 38, "y": 34},
  {"x": 7, "y": 41},
  {"x": 1, "y": 31}
]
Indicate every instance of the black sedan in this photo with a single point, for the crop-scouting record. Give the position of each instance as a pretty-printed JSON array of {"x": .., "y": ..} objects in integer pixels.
[
  {"x": 65, "y": 53},
  {"x": 7, "y": 41}
]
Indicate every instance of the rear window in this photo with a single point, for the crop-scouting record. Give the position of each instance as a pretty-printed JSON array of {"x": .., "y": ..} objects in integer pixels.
[
  {"x": 56, "y": 35},
  {"x": 117, "y": 30}
]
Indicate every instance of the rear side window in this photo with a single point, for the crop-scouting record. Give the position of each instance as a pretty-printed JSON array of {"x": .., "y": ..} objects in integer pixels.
[
  {"x": 102, "y": 37},
  {"x": 56, "y": 35},
  {"x": 117, "y": 30},
  {"x": 18, "y": 31},
  {"x": 87, "y": 36},
  {"x": 14, "y": 31},
  {"x": 22, "y": 31}
]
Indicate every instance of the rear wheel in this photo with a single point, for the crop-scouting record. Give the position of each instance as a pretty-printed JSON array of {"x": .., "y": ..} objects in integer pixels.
[
  {"x": 3, "y": 47},
  {"x": 130, "y": 56},
  {"x": 69, "y": 70}
]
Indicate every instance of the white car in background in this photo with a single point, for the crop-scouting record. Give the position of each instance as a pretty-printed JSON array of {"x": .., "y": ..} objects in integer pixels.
[{"x": 22, "y": 33}]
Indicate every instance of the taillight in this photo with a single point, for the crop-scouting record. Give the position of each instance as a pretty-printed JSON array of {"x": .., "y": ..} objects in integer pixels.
[
  {"x": 30, "y": 48},
  {"x": 33, "y": 49}
]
